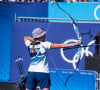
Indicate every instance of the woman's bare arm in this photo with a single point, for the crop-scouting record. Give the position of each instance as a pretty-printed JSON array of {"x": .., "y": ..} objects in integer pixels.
[
  {"x": 28, "y": 38},
  {"x": 63, "y": 45}
]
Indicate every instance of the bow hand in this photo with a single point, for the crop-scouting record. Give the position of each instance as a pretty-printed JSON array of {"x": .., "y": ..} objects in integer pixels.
[{"x": 78, "y": 43}]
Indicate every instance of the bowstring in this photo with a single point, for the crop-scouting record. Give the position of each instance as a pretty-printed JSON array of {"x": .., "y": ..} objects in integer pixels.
[{"x": 52, "y": 59}]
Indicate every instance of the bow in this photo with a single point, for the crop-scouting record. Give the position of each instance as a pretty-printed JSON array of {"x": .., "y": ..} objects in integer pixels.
[{"x": 79, "y": 38}]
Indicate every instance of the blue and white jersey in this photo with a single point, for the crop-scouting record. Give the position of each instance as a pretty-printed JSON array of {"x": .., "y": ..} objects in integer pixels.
[{"x": 38, "y": 58}]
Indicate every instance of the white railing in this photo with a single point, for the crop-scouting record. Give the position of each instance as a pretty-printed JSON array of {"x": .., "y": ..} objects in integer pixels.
[{"x": 45, "y": 19}]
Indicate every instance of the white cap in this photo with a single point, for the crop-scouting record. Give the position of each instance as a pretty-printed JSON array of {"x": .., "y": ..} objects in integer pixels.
[{"x": 38, "y": 32}]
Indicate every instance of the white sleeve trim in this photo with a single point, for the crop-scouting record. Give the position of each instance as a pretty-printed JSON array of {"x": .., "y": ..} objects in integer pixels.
[
  {"x": 27, "y": 43},
  {"x": 47, "y": 45}
]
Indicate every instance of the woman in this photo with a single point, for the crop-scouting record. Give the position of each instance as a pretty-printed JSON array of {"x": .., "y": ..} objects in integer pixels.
[{"x": 38, "y": 69}]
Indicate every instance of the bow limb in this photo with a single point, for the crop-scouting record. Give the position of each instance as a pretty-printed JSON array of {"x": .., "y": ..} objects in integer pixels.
[{"x": 76, "y": 31}]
